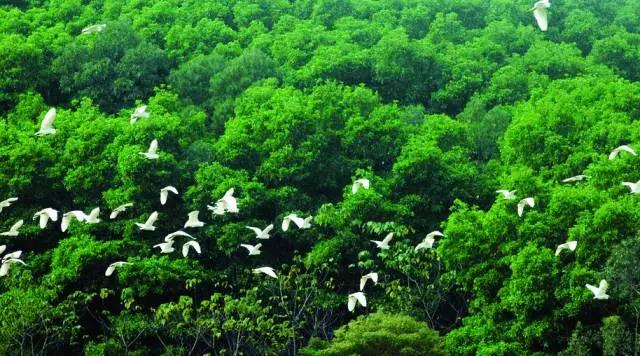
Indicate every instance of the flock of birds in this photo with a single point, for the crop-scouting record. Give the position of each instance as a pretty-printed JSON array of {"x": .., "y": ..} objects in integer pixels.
[{"x": 228, "y": 204}]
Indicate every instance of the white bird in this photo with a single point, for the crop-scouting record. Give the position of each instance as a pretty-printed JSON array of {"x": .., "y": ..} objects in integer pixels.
[
  {"x": 306, "y": 223},
  {"x": 635, "y": 187},
  {"x": 67, "y": 217},
  {"x": 384, "y": 244},
  {"x": 575, "y": 178},
  {"x": 14, "y": 229},
  {"x": 540, "y": 11},
  {"x": 571, "y": 246},
  {"x": 122, "y": 208},
  {"x": 373, "y": 276},
  {"x": 139, "y": 113},
  {"x": 164, "y": 193},
  {"x": 7, "y": 263},
  {"x": 166, "y": 247},
  {"x": 46, "y": 127},
  {"x": 7, "y": 203},
  {"x": 92, "y": 218},
  {"x": 152, "y": 152},
  {"x": 261, "y": 234},
  {"x": 266, "y": 270},
  {"x": 253, "y": 250},
  {"x": 300, "y": 222},
  {"x": 524, "y": 202},
  {"x": 357, "y": 297},
  {"x": 93, "y": 29},
  {"x": 359, "y": 183},
  {"x": 172, "y": 236},
  {"x": 2, "y": 249},
  {"x": 186, "y": 245},
  {"x": 12, "y": 255},
  {"x": 286, "y": 221},
  {"x": 45, "y": 215},
  {"x": 507, "y": 194},
  {"x": 226, "y": 204},
  {"x": 112, "y": 267},
  {"x": 599, "y": 292},
  {"x": 193, "y": 220},
  {"x": 148, "y": 225},
  {"x": 428, "y": 241},
  {"x": 622, "y": 148}
]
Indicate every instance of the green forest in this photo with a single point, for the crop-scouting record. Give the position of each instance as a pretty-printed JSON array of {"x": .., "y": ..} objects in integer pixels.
[{"x": 319, "y": 177}]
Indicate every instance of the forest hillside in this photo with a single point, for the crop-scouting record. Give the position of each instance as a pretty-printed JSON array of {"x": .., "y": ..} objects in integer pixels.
[{"x": 363, "y": 142}]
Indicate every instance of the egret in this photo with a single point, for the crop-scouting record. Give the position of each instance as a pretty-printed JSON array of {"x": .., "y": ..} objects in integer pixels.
[
  {"x": 524, "y": 202},
  {"x": 93, "y": 29},
  {"x": 253, "y": 250},
  {"x": 261, "y": 234},
  {"x": 12, "y": 255},
  {"x": 92, "y": 218},
  {"x": 148, "y": 225},
  {"x": 67, "y": 217},
  {"x": 139, "y": 113},
  {"x": 635, "y": 187},
  {"x": 152, "y": 152},
  {"x": 166, "y": 247},
  {"x": 45, "y": 215},
  {"x": 373, "y": 276},
  {"x": 46, "y": 127},
  {"x": 266, "y": 270},
  {"x": 14, "y": 229},
  {"x": 300, "y": 222},
  {"x": 226, "y": 204},
  {"x": 623, "y": 148},
  {"x": 599, "y": 292},
  {"x": 7, "y": 203},
  {"x": 384, "y": 244},
  {"x": 571, "y": 246},
  {"x": 172, "y": 235},
  {"x": 193, "y": 220},
  {"x": 507, "y": 194},
  {"x": 121, "y": 209},
  {"x": 359, "y": 183},
  {"x": 7, "y": 263},
  {"x": 577, "y": 178},
  {"x": 112, "y": 267},
  {"x": 194, "y": 244},
  {"x": 428, "y": 241},
  {"x": 357, "y": 297},
  {"x": 540, "y": 12},
  {"x": 164, "y": 193}
]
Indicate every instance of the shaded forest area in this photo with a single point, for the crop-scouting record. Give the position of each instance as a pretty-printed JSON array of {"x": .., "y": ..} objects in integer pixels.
[{"x": 437, "y": 103}]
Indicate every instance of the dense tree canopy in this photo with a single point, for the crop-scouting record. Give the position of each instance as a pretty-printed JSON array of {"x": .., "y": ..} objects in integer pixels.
[{"x": 438, "y": 103}]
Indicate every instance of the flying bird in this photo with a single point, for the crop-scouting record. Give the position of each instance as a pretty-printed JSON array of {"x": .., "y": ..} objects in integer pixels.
[
  {"x": 14, "y": 229},
  {"x": 193, "y": 220},
  {"x": 93, "y": 29},
  {"x": 6, "y": 264},
  {"x": 46, "y": 127},
  {"x": 540, "y": 12},
  {"x": 164, "y": 193},
  {"x": 575, "y": 178},
  {"x": 359, "y": 183},
  {"x": 112, "y": 267},
  {"x": 67, "y": 217},
  {"x": 226, "y": 204},
  {"x": 253, "y": 250},
  {"x": 524, "y": 202},
  {"x": 266, "y": 270},
  {"x": 2, "y": 249},
  {"x": 623, "y": 148},
  {"x": 148, "y": 225},
  {"x": 152, "y": 152},
  {"x": 173, "y": 235},
  {"x": 373, "y": 276},
  {"x": 261, "y": 234},
  {"x": 7, "y": 203},
  {"x": 300, "y": 222},
  {"x": 599, "y": 292},
  {"x": 92, "y": 218},
  {"x": 357, "y": 297},
  {"x": 384, "y": 244},
  {"x": 188, "y": 244},
  {"x": 166, "y": 247},
  {"x": 635, "y": 187},
  {"x": 571, "y": 246},
  {"x": 14, "y": 254},
  {"x": 507, "y": 194},
  {"x": 45, "y": 215},
  {"x": 139, "y": 113},
  {"x": 121, "y": 209},
  {"x": 428, "y": 241}
]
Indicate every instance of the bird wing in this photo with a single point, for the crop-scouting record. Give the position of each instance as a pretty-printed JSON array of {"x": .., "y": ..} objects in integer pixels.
[
  {"x": 4, "y": 269},
  {"x": 374, "y": 277},
  {"x": 285, "y": 223},
  {"x": 248, "y": 247},
  {"x": 94, "y": 214},
  {"x": 434, "y": 233},
  {"x": 559, "y": 249},
  {"x": 171, "y": 189},
  {"x": 153, "y": 147},
  {"x": 352, "y": 302},
  {"x": 152, "y": 219},
  {"x": 270, "y": 272},
  {"x": 194, "y": 215},
  {"x": 572, "y": 245},
  {"x": 363, "y": 281},
  {"x": 49, "y": 117},
  {"x": 186, "y": 245},
  {"x": 17, "y": 226},
  {"x": 44, "y": 218},
  {"x": 298, "y": 221},
  {"x": 540, "y": 13},
  {"x": 256, "y": 230},
  {"x": 603, "y": 286},
  {"x": 110, "y": 269},
  {"x": 267, "y": 229},
  {"x": 387, "y": 238},
  {"x": 362, "y": 299},
  {"x": 593, "y": 289},
  {"x": 2, "y": 248}
]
